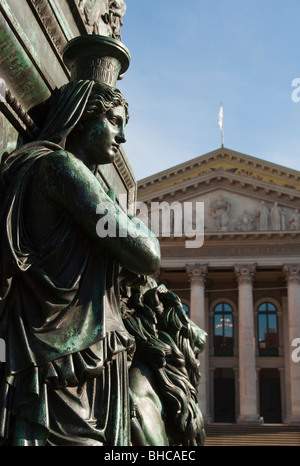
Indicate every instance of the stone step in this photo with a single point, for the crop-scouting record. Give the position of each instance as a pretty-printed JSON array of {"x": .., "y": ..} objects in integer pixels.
[{"x": 252, "y": 435}]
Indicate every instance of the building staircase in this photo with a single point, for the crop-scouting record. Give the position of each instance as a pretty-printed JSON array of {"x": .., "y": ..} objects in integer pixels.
[{"x": 252, "y": 435}]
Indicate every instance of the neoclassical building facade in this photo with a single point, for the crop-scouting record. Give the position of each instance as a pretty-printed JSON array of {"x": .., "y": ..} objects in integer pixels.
[{"x": 242, "y": 285}]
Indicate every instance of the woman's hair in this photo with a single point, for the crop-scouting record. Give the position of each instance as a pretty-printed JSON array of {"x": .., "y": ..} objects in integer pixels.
[{"x": 102, "y": 98}]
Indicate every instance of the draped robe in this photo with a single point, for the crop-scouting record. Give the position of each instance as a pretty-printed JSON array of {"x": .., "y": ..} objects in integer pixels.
[{"x": 65, "y": 379}]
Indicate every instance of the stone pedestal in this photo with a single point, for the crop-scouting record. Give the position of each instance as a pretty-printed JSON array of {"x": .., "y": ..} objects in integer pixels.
[
  {"x": 197, "y": 274},
  {"x": 247, "y": 372},
  {"x": 292, "y": 272}
]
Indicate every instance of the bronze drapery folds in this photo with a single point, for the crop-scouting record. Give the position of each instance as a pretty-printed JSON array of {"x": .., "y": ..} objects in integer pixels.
[{"x": 70, "y": 331}]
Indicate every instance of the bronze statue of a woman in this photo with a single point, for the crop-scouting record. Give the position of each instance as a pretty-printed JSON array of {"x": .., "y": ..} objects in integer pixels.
[{"x": 65, "y": 379}]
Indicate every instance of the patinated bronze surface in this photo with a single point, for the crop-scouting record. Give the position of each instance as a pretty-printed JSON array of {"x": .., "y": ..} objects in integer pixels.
[
  {"x": 70, "y": 334},
  {"x": 164, "y": 375}
]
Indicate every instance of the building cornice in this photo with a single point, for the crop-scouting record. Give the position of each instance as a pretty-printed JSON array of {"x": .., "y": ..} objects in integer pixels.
[
  {"x": 278, "y": 237},
  {"x": 165, "y": 179},
  {"x": 189, "y": 188},
  {"x": 182, "y": 262}
]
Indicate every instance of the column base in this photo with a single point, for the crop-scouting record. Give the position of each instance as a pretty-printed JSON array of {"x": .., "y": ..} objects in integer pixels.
[
  {"x": 247, "y": 419},
  {"x": 207, "y": 419},
  {"x": 292, "y": 420}
]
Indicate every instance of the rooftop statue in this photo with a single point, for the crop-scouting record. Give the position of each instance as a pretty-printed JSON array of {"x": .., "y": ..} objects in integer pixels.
[{"x": 69, "y": 339}]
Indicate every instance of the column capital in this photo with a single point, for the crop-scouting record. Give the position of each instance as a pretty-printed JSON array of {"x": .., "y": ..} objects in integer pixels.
[
  {"x": 245, "y": 273},
  {"x": 292, "y": 273},
  {"x": 197, "y": 272}
]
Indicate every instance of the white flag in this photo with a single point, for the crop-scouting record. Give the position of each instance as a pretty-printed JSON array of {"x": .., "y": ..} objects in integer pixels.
[{"x": 221, "y": 118}]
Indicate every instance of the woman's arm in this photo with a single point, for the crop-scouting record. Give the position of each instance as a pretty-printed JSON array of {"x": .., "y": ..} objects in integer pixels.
[{"x": 67, "y": 182}]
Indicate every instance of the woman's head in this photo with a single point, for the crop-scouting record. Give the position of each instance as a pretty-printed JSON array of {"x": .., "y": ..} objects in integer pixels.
[
  {"x": 74, "y": 102},
  {"x": 102, "y": 98},
  {"x": 100, "y": 130}
]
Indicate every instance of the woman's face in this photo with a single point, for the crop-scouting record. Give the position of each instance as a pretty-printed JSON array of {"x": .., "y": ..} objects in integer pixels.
[{"x": 101, "y": 136}]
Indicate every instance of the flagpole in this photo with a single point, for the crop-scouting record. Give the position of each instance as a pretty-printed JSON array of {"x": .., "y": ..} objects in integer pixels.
[
  {"x": 222, "y": 137},
  {"x": 221, "y": 124}
]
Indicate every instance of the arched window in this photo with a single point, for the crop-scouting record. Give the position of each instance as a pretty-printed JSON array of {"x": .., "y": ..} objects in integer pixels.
[
  {"x": 267, "y": 329},
  {"x": 223, "y": 330}
]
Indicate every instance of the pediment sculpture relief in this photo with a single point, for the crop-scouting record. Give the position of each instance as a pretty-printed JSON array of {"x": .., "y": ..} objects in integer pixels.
[
  {"x": 262, "y": 216},
  {"x": 219, "y": 211},
  {"x": 245, "y": 222},
  {"x": 229, "y": 215},
  {"x": 294, "y": 221}
]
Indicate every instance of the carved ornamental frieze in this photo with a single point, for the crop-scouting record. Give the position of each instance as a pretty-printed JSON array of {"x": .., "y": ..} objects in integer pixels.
[
  {"x": 228, "y": 214},
  {"x": 103, "y": 17},
  {"x": 50, "y": 23}
]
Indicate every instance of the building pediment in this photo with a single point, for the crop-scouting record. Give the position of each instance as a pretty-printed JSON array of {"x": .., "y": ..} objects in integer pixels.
[
  {"x": 232, "y": 211},
  {"x": 262, "y": 198},
  {"x": 229, "y": 210},
  {"x": 223, "y": 164}
]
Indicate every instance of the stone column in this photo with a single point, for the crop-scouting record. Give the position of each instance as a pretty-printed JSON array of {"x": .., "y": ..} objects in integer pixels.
[
  {"x": 197, "y": 274},
  {"x": 247, "y": 372},
  {"x": 286, "y": 358},
  {"x": 292, "y": 272}
]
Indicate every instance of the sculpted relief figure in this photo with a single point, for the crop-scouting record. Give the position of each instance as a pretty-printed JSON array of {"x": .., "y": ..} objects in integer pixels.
[
  {"x": 69, "y": 340},
  {"x": 245, "y": 222},
  {"x": 277, "y": 217},
  {"x": 96, "y": 16},
  {"x": 117, "y": 9},
  {"x": 294, "y": 221},
  {"x": 219, "y": 211},
  {"x": 262, "y": 215}
]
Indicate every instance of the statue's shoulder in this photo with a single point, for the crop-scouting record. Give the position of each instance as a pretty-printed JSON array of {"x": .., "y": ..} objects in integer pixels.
[
  {"x": 62, "y": 168},
  {"x": 61, "y": 160},
  {"x": 61, "y": 155}
]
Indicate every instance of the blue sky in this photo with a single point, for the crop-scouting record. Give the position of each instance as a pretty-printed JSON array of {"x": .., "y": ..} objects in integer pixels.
[{"x": 188, "y": 57}]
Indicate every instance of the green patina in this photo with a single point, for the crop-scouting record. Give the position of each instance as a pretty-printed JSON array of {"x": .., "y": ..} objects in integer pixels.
[{"x": 18, "y": 71}]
